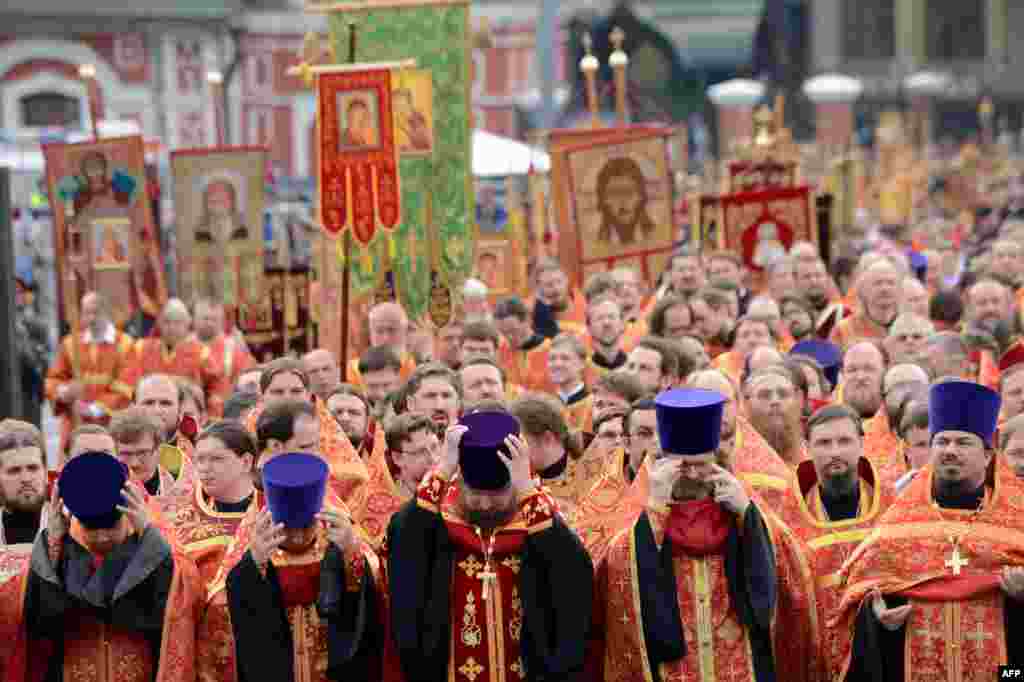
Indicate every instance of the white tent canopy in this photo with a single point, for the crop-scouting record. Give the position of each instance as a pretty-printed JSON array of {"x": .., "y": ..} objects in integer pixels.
[{"x": 494, "y": 156}]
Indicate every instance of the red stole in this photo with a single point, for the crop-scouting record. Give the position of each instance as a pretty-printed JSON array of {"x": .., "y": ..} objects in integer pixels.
[{"x": 697, "y": 528}]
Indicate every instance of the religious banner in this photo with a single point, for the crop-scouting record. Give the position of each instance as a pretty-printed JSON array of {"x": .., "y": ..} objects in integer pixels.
[
  {"x": 431, "y": 104},
  {"x": 219, "y": 200},
  {"x": 279, "y": 323},
  {"x": 358, "y": 164},
  {"x": 103, "y": 225},
  {"x": 762, "y": 225},
  {"x": 502, "y": 239},
  {"x": 619, "y": 195}
]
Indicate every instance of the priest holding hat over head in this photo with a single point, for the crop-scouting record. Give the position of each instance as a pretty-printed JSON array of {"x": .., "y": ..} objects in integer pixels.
[
  {"x": 107, "y": 599},
  {"x": 303, "y": 599},
  {"x": 935, "y": 592},
  {"x": 486, "y": 579},
  {"x": 691, "y": 589}
]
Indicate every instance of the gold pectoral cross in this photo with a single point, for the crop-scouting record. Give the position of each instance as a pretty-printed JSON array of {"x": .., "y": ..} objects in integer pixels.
[
  {"x": 956, "y": 561},
  {"x": 487, "y": 577}
]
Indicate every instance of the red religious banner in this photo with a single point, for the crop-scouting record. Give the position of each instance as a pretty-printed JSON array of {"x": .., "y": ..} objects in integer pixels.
[
  {"x": 358, "y": 161},
  {"x": 762, "y": 225}
]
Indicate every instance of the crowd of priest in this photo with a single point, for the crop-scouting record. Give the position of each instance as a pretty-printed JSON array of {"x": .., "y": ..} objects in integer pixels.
[{"x": 818, "y": 480}]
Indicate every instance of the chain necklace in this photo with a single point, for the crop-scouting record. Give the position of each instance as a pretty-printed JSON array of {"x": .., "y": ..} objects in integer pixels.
[
  {"x": 487, "y": 576},
  {"x": 956, "y": 560}
]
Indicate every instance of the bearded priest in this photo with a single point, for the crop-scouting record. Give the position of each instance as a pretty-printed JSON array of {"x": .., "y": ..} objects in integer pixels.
[
  {"x": 486, "y": 579},
  {"x": 935, "y": 592},
  {"x": 691, "y": 588}
]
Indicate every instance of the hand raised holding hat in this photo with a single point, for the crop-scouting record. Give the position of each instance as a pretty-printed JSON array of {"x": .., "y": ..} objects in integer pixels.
[
  {"x": 518, "y": 463},
  {"x": 134, "y": 507},
  {"x": 450, "y": 457},
  {"x": 729, "y": 491},
  {"x": 664, "y": 472},
  {"x": 267, "y": 536},
  {"x": 339, "y": 529},
  {"x": 56, "y": 521}
]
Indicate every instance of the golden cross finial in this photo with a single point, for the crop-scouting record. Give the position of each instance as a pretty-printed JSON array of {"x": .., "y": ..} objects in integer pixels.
[{"x": 617, "y": 36}]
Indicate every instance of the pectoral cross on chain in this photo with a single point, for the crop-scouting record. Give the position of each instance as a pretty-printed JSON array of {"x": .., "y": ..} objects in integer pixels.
[
  {"x": 956, "y": 561},
  {"x": 487, "y": 577}
]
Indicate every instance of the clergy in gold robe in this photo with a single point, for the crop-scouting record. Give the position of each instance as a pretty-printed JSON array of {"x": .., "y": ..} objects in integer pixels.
[
  {"x": 753, "y": 461},
  {"x": 934, "y": 592},
  {"x": 402, "y": 455},
  {"x": 303, "y": 599},
  {"x": 206, "y": 509},
  {"x": 565, "y": 467},
  {"x": 486, "y": 580},
  {"x": 110, "y": 601},
  {"x": 690, "y": 589},
  {"x": 834, "y": 502},
  {"x": 524, "y": 357}
]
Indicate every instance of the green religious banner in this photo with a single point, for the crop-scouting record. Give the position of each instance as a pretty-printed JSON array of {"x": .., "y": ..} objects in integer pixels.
[{"x": 432, "y": 135}]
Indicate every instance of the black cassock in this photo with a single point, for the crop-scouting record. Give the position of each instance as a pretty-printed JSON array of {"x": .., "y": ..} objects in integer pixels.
[
  {"x": 263, "y": 638},
  {"x": 127, "y": 592},
  {"x": 555, "y": 584}
]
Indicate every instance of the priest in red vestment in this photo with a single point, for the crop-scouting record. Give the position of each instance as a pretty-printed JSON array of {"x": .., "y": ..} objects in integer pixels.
[
  {"x": 692, "y": 588},
  {"x": 880, "y": 292},
  {"x": 303, "y": 599},
  {"x": 176, "y": 354},
  {"x": 227, "y": 349},
  {"x": 934, "y": 593},
  {"x": 835, "y": 501},
  {"x": 85, "y": 378},
  {"x": 485, "y": 578},
  {"x": 110, "y": 601}
]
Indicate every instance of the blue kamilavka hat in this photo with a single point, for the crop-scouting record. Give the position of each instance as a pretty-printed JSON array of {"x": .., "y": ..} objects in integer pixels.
[
  {"x": 828, "y": 355},
  {"x": 295, "y": 484},
  {"x": 689, "y": 420},
  {"x": 90, "y": 486},
  {"x": 479, "y": 464},
  {"x": 963, "y": 406}
]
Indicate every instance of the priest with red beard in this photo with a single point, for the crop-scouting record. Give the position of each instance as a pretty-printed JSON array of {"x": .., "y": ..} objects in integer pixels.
[
  {"x": 485, "y": 577},
  {"x": 690, "y": 590},
  {"x": 774, "y": 409}
]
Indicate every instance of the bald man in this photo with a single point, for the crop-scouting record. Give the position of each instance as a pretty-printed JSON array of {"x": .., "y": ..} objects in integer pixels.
[
  {"x": 228, "y": 351},
  {"x": 85, "y": 377},
  {"x": 753, "y": 460},
  {"x": 323, "y": 372},
  {"x": 907, "y": 340},
  {"x": 389, "y": 326},
  {"x": 880, "y": 291},
  {"x": 915, "y": 297},
  {"x": 881, "y": 437},
  {"x": 178, "y": 354},
  {"x": 863, "y": 369},
  {"x": 990, "y": 305}
]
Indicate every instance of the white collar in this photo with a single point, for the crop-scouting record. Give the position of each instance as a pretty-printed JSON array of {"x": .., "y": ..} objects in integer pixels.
[
  {"x": 109, "y": 335},
  {"x": 565, "y": 396}
]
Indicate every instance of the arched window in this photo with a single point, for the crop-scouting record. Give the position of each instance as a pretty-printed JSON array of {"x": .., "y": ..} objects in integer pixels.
[{"x": 45, "y": 109}]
